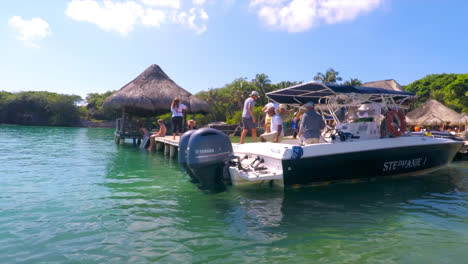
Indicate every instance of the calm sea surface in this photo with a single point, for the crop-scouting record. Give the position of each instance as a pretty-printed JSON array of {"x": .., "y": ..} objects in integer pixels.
[{"x": 70, "y": 195}]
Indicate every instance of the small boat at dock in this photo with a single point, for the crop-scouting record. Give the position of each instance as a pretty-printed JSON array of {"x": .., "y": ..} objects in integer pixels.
[{"x": 365, "y": 137}]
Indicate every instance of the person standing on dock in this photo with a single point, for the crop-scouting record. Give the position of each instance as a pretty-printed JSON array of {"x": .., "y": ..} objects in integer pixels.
[
  {"x": 177, "y": 109},
  {"x": 248, "y": 119},
  {"x": 311, "y": 123}
]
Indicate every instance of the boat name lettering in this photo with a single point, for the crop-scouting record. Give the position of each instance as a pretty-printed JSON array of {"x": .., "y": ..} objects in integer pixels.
[
  {"x": 204, "y": 151},
  {"x": 403, "y": 164}
]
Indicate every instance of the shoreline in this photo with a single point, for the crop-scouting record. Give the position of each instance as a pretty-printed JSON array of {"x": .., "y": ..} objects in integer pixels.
[{"x": 82, "y": 123}]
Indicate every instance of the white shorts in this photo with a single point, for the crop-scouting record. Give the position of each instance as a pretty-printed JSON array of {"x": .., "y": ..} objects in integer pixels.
[
  {"x": 307, "y": 141},
  {"x": 270, "y": 136}
]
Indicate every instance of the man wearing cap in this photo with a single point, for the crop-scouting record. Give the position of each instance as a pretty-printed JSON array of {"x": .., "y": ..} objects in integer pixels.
[
  {"x": 311, "y": 123},
  {"x": 267, "y": 116},
  {"x": 277, "y": 130},
  {"x": 248, "y": 119}
]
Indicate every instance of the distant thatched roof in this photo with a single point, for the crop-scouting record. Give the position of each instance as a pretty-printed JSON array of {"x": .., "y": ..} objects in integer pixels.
[
  {"x": 432, "y": 113},
  {"x": 463, "y": 120},
  {"x": 385, "y": 84},
  {"x": 152, "y": 93}
]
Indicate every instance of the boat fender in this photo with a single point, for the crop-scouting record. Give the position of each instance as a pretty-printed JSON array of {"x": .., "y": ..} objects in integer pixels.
[
  {"x": 297, "y": 152},
  {"x": 400, "y": 116}
]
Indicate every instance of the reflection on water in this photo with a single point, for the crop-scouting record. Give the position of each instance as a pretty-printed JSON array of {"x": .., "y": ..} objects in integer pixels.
[{"x": 74, "y": 196}]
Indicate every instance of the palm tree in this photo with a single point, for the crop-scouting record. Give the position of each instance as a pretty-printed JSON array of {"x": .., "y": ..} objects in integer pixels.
[
  {"x": 285, "y": 84},
  {"x": 353, "y": 82},
  {"x": 330, "y": 76},
  {"x": 240, "y": 91},
  {"x": 261, "y": 80}
]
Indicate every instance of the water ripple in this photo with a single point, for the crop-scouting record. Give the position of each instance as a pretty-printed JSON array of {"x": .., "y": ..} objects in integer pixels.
[{"x": 70, "y": 195}]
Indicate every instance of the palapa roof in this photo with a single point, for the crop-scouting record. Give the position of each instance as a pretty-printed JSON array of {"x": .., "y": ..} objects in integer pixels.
[
  {"x": 385, "y": 84},
  {"x": 433, "y": 113},
  {"x": 463, "y": 120},
  {"x": 152, "y": 93}
]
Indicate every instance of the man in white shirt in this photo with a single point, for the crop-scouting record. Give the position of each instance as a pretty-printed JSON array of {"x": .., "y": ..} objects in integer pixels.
[
  {"x": 277, "y": 130},
  {"x": 267, "y": 117}
]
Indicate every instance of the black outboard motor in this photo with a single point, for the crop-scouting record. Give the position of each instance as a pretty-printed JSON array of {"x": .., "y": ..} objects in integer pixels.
[
  {"x": 183, "y": 145},
  {"x": 209, "y": 151}
]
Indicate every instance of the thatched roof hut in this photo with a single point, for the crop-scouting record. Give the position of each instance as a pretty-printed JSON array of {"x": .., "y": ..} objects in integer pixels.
[
  {"x": 463, "y": 121},
  {"x": 385, "y": 84},
  {"x": 152, "y": 93},
  {"x": 433, "y": 113}
]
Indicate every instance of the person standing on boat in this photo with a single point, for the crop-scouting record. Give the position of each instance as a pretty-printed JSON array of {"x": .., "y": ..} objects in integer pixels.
[
  {"x": 311, "y": 123},
  {"x": 296, "y": 121},
  {"x": 177, "y": 109},
  {"x": 277, "y": 130},
  {"x": 248, "y": 119},
  {"x": 267, "y": 117}
]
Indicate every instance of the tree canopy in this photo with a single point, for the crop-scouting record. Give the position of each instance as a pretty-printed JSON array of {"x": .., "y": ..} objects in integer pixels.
[
  {"x": 330, "y": 76},
  {"x": 39, "y": 108},
  {"x": 353, "y": 82},
  {"x": 48, "y": 108},
  {"x": 449, "y": 89},
  {"x": 95, "y": 109}
]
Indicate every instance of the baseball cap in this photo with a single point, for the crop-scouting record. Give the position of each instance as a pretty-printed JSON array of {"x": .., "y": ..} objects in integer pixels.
[
  {"x": 254, "y": 93},
  {"x": 307, "y": 105}
]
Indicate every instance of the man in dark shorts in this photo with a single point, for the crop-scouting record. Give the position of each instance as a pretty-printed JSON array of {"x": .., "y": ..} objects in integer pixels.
[{"x": 248, "y": 119}]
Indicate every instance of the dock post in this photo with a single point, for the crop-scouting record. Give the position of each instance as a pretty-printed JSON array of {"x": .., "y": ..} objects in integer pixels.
[
  {"x": 166, "y": 149},
  {"x": 172, "y": 151},
  {"x": 159, "y": 146}
]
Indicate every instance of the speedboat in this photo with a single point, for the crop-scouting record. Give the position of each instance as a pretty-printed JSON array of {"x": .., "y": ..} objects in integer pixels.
[{"x": 365, "y": 137}]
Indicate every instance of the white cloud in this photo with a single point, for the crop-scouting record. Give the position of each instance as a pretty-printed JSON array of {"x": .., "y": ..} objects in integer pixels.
[
  {"x": 123, "y": 17},
  {"x": 194, "y": 19},
  {"x": 198, "y": 2},
  {"x": 30, "y": 31},
  {"x": 301, "y": 15},
  {"x": 153, "y": 17},
  {"x": 163, "y": 3},
  {"x": 116, "y": 16}
]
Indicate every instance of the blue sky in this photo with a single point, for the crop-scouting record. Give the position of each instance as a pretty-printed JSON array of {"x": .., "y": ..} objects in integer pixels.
[{"x": 83, "y": 46}]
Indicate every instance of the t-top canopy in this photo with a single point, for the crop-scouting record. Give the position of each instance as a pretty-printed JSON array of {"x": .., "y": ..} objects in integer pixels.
[{"x": 313, "y": 91}]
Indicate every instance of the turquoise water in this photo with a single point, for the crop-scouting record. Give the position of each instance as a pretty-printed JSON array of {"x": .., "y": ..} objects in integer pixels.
[{"x": 70, "y": 195}]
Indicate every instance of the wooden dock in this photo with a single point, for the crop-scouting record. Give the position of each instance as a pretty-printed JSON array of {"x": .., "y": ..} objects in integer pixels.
[{"x": 169, "y": 145}]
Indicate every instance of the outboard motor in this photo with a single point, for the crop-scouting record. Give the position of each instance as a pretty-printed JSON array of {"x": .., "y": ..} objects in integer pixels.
[
  {"x": 183, "y": 145},
  {"x": 209, "y": 151}
]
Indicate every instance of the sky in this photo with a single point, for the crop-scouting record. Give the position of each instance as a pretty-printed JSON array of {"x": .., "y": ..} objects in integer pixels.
[{"x": 84, "y": 46}]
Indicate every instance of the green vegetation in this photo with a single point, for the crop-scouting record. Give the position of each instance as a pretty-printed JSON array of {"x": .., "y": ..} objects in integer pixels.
[
  {"x": 330, "y": 76},
  {"x": 94, "y": 108},
  {"x": 449, "y": 89},
  {"x": 353, "y": 82},
  {"x": 39, "y": 108},
  {"x": 46, "y": 108},
  {"x": 227, "y": 102}
]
